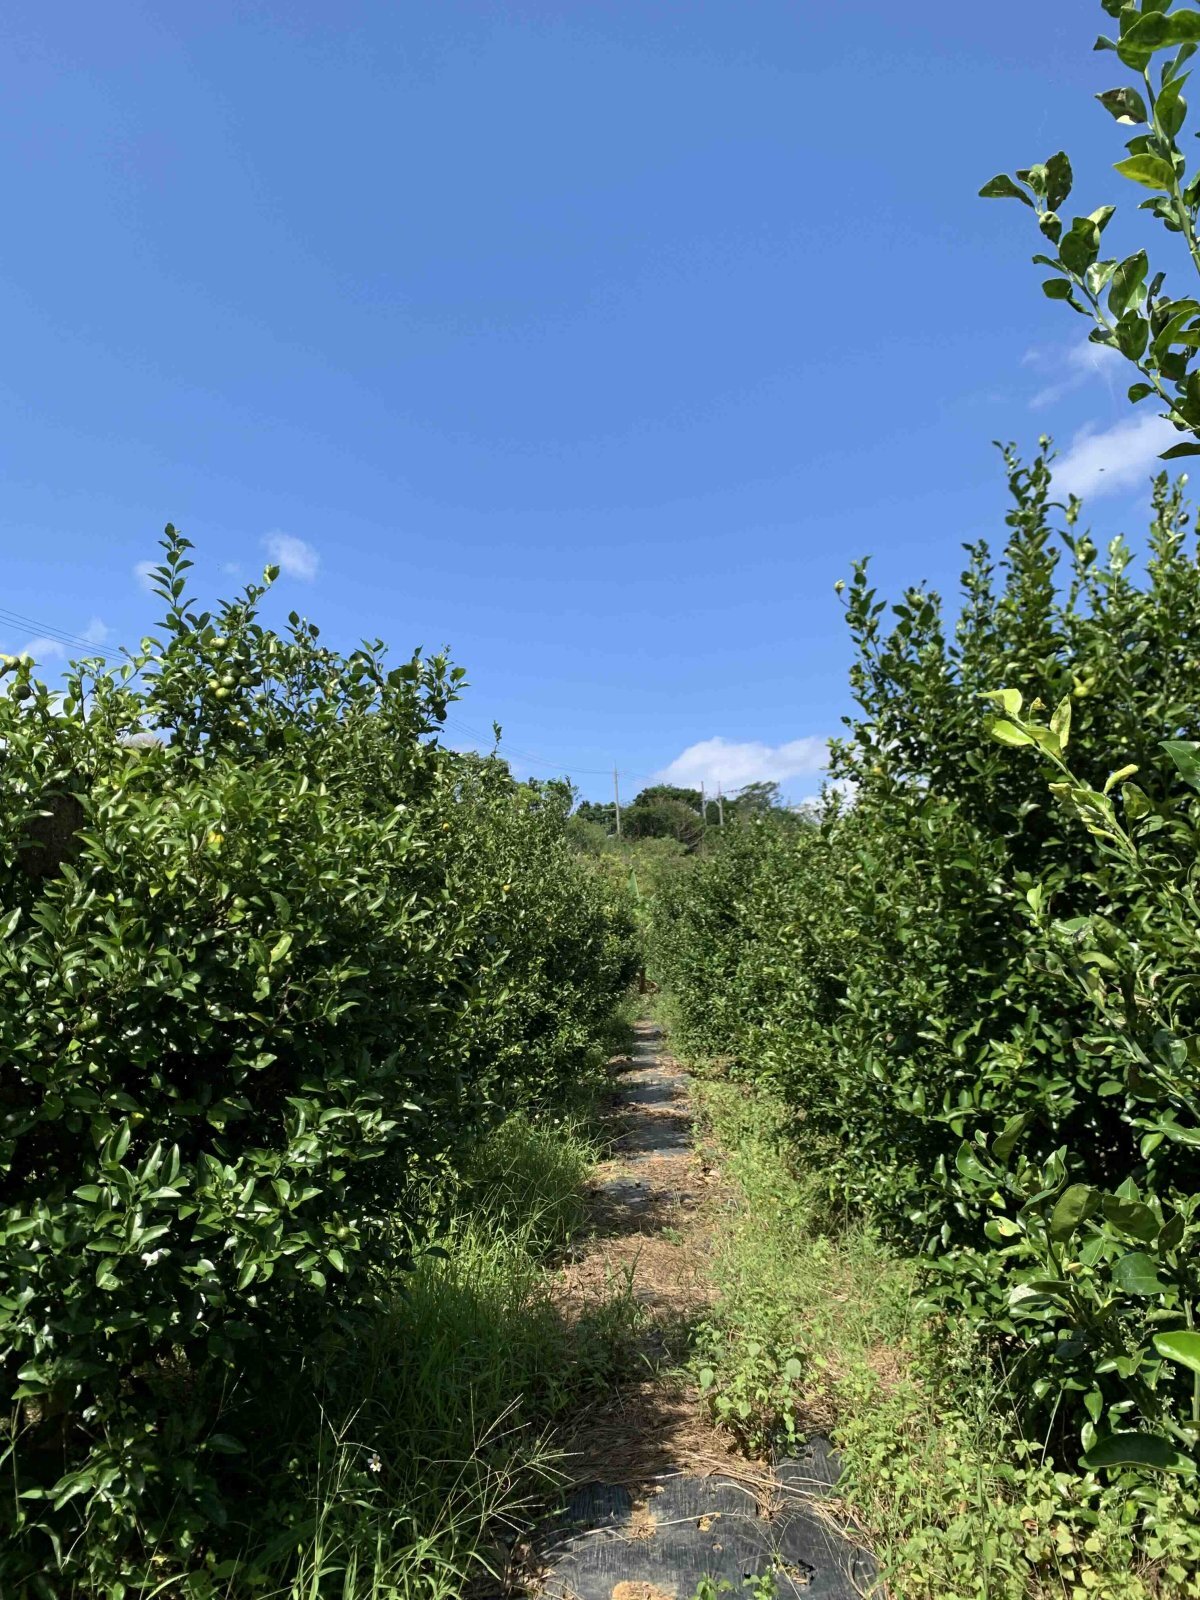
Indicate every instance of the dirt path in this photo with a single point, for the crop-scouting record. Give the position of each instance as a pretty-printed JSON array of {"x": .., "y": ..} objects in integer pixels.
[{"x": 660, "y": 1499}]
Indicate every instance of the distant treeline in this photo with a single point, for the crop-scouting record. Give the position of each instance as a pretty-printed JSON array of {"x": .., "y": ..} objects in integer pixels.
[{"x": 666, "y": 811}]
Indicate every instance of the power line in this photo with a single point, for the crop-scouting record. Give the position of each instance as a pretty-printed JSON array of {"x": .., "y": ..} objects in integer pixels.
[{"x": 47, "y": 630}]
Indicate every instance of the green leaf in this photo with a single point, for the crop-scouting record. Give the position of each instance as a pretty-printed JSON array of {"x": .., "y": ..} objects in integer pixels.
[
  {"x": 1178, "y": 450},
  {"x": 1127, "y": 282},
  {"x": 1097, "y": 278},
  {"x": 1172, "y": 1234},
  {"x": 1006, "y": 733},
  {"x": 1010, "y": 700},
  {"x": 1059, "y": 179},
  {"x": 1177, "y": 329},
  {"x": 1132, "y": 333},
  {"x": 1135, "y": 802},
  {"x": 1159, "y": 29},
  {"x": 1060, "y": 722},
  {"x": 1137, "y": 1274},
  {"x": 1119, "y": 776},
  {"x": 1126, "y": 105},
  {"x": 1056, "y": 288},
  {"x": 1185, "y": 754},
  {"x": 1151, "y": 171},
  {"x": 1002, "y": 187},
  {"x": 1073, "y": 1208},
  {"x": 1005, "y": 1141},
  {"x": 969, "y": 1165},
  {"x": 1080, "y": 245},
  {"x": 225, "y": 1444},
  {"x": 1182, "y": 1347},
  {"x": 1170, "y": 108},
  {"x": 1137, "y": 1450},
  {"x": 1132, "y": 1217}
]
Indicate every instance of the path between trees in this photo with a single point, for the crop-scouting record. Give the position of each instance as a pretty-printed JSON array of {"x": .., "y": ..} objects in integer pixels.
[{"x": 660, "y": 1500}]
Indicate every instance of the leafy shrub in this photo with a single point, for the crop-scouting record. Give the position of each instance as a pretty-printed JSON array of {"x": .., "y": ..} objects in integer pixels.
[
  {"x": 1107, "y": 1276},
  {"x": 272, "y": 958},
  {"x": 902, "y": 977}
]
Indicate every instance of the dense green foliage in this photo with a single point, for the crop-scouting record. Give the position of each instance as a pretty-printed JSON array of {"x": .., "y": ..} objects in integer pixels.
[
  {"x": 1126, "y": 302},
  {"x": 273, "y": 960},
  {"x": 982, "y": 1011}
]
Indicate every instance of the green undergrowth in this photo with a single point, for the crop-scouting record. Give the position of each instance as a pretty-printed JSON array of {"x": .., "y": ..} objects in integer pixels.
[
  {"x": 423, "y": 1435},
  {"x": 819, "y": 1326}
]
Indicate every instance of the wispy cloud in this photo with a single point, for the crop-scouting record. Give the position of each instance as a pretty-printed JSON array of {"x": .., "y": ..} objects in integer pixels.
[
  {"x": 1067, "y": 368},
  {"x": 1115, "y": 458},
  {"x": 44, "y": 649},
  {"x": 729, "y": 764},
  {"x": 143, "y": 571},
  {"x": 292, "y": 556}
]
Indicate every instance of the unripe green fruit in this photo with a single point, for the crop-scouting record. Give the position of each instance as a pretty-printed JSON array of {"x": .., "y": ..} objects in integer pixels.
[
  {"x": 222, "y": 694},
  {"x": 21, "y": 691}
]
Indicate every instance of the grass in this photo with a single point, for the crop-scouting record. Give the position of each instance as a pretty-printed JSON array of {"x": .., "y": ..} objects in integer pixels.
[
  {"x": 818, "y": 1327},
  {"x": 427, "y": 1447}
]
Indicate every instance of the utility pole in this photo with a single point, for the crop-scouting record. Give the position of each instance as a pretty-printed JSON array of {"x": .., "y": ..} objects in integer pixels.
[
  {"x": 703, "y": 807},
  {"x": 720, "y": 808},
  {"x": 617, "y": 799}
]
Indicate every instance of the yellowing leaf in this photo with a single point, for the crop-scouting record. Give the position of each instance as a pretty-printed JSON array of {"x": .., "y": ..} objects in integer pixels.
[
  {"x": 1152, "y": 172},
  {"x": 1007, "y": 733}
]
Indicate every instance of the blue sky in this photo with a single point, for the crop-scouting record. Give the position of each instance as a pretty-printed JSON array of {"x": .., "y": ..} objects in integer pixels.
[{"x": 593, "y": 340}]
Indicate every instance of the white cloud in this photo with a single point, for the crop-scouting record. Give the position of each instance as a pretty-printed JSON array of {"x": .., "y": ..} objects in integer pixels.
[
  {"x": 1070, "y": 368},
  {"x": 41, "y": 649},
  {"x": 729, "y": 765},
  {"x": 143, "y": 571},
  {"x": 292, "y": 556},
  {"x": 1118, "y": 458}
]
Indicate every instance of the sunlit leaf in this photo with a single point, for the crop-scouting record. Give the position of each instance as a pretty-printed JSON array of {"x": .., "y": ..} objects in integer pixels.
[
  {"x": 1182, "y": 1347},
  {"x": 1151, "y": 171}
]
